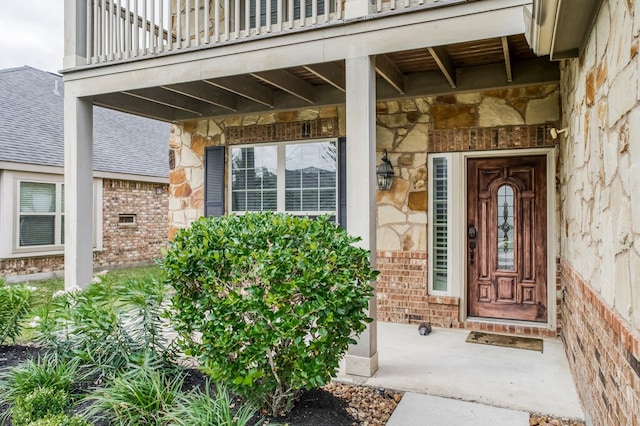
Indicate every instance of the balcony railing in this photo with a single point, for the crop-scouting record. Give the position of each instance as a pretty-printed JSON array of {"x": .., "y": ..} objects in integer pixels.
[{"x": 123, "y": 29}]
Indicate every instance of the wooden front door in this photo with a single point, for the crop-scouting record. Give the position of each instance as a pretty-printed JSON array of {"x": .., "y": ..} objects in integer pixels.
[{"x": 506, "y": 238}]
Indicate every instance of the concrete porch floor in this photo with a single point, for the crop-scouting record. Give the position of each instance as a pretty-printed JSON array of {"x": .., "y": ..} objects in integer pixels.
[{"x": 444, "y": 365}]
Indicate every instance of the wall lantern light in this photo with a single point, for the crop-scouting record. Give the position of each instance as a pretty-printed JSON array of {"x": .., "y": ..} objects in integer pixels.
[{"x": 385, "y": 173}]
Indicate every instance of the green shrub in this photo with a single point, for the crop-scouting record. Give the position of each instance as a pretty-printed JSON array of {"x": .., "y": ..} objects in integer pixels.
[
  {"x": 14, "y": 306},
  {"x": 196, "y": 409},
  {"x": 44, "y": 373},
  {"x": 41, "y": 402},
  {"x": 109, "y": 325},
  {"x": 143, "y": 395},
  {"x": 268, "y": 302},
  {"x": 60, "y": 420}
]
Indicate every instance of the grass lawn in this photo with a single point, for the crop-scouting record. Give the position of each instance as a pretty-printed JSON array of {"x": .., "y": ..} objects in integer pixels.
[{"x": 46, "y": 288}]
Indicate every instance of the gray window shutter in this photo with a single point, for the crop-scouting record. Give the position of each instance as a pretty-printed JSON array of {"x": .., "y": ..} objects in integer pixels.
[
  {"x": 342, "y": 182},
  {"x": 214, "y": 181}
]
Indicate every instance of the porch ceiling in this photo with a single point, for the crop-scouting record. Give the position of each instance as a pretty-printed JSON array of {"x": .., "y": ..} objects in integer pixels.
[{"x": 462, "y": 67}]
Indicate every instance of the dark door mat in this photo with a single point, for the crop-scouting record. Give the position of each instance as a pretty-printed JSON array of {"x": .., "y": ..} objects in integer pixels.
[{"x": 517, "y": 342}]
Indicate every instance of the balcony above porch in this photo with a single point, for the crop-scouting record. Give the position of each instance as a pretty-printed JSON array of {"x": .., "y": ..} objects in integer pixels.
[{"x": 424, "y": 49}]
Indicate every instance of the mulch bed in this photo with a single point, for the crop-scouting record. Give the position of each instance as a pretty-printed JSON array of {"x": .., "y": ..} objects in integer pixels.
[{"x": 335, "y": 404}]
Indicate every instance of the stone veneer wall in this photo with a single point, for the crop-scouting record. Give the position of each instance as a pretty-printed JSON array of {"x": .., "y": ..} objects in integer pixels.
[
  {"x": 122, "y": 245},
  {"x": 600, "y": 181},
  {"x": 403, "y": 128}
]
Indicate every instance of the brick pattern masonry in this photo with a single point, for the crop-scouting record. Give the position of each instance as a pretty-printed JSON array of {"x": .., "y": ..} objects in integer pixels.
[{"x": 604, "y": 353}]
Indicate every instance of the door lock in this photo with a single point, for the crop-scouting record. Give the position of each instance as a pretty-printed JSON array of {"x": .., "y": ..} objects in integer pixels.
[{"x": 471, "y": 232}]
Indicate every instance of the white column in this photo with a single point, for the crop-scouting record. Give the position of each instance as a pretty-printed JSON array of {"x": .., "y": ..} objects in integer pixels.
[
  {"x": 75, "y": 33},
  {"x": 357, "y": 8},
  {"x": 78, "y": 191},
  {"x": 362, "y": 358}
]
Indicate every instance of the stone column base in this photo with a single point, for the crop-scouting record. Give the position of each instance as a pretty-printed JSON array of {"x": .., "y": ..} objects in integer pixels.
[{"x": 361, "y": 366}]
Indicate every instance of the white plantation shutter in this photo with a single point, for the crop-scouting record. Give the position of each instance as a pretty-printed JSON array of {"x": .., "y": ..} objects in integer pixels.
[{"x": 440, "y": 223}]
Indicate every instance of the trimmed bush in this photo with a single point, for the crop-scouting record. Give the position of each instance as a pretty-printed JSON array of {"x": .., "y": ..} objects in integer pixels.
[
  {"x": 268, "y": 302},
  {"x": 60, "y": 420},
  {"x": 38, "y": 404}
]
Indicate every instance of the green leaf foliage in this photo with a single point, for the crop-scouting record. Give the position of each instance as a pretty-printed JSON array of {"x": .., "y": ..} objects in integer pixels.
[
  {"x": 142, "y": 395},
  {"x": 198, "y": 408},
  {"x": 14, "y": 307},
  {"x": 39, "y": 403},
  {"x": 43, "y": 372},
  {"x": 268, "y": 302},
  {"x": 108, "y": 325},
  {"x": 60, "y": 420}
]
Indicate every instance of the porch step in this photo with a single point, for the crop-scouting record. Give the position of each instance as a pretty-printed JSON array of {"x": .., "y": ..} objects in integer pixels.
[{"x": 425, "y": 410}]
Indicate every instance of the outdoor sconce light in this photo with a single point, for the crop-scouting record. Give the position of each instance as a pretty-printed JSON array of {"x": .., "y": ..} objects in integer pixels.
[
  {"x": 385, "y": 173},
  {"x": 555, "y": 132}
]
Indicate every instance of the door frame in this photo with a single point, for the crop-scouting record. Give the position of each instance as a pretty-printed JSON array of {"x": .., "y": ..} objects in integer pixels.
[{"x": 458, "y": 239}]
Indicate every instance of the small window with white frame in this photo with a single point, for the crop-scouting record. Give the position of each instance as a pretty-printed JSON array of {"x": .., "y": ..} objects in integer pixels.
[
  {"x": 294, "y": 177},
  {"x": 40, "y": 214},
  {"x": 32, "y": 215}
]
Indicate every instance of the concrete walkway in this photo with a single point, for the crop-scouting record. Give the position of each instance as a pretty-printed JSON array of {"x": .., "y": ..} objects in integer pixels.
[{"x": 444, "y": 365}]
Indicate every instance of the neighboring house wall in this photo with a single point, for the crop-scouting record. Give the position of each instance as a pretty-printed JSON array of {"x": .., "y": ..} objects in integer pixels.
[
  {"x": 404, "y": 128},
  {"x": 600, "y": 165},
  {"x": 123, "y": 244}
]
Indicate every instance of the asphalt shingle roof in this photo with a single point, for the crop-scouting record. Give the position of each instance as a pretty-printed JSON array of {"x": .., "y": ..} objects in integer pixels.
[{"x": 31, "y": 128}]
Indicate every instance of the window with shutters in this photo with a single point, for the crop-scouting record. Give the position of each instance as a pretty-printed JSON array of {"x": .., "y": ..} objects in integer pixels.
[
  {"x": 298, "y": 178},
  {"x": 440, "y": 223},
  {"x": 37, "y": 215},
  {"x": 443, "y": 176}
]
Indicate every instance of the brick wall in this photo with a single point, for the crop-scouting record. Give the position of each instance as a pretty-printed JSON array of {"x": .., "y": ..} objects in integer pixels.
[
  {"x": 122, "y": 245},
  {"x": 604, "y": 353},
  {"x": 402, "y": 291}
]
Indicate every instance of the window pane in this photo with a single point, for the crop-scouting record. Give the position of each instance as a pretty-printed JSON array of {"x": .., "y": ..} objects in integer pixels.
[
  {"x": 327, "y": 199},
  {"x": 37, "y": 230},
  {"x": 440, "y": 220},
  {"x": 254, "y": 178},
  {"x": 62, "y": 229},
  {"x": 293, "y": 200},
  {"x": 37, "y": 197},
  {"x": 312, "y": 168},
  {"x": 310, "y": 200},
  {"x": 505, "y": 228}
]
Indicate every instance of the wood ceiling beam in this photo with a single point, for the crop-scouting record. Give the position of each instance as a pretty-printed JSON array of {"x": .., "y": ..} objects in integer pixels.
[
  {"x": 507, "y": 59},
  {"x": 246, "y": 88},
  {"x": 445, "y": 64},
  {"x": 205, "y": 93},
  {"x": 288, "y": 82},
  {"x": 167, "y": 98},
  {"x": 390, "y": 72},
  {"x": 133, "y": 105},
  {"x": 329, "y": 73}
]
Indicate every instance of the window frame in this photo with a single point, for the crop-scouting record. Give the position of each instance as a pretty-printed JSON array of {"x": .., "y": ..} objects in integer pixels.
[
  {"x": 456, "y": 215},
  {"x": 10, "y": 215},
  {"x": 281, "y": 176}
]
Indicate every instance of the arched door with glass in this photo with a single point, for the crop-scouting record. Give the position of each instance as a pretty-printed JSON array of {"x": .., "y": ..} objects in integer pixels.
[{"x": 506, "y": 238}]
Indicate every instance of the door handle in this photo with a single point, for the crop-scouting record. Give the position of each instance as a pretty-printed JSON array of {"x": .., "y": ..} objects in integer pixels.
[{"x": 472, "y": 252}]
